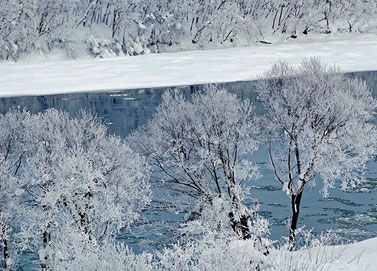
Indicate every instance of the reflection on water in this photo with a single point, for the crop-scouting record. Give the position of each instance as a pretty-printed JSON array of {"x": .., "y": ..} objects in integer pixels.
[{"x": 353, "y": 214}]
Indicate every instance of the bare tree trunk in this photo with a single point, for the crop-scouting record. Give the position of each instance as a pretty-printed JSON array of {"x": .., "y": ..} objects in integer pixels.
[
  {"x": 5, "y": 243},
  {"x": 46, "y": 239},
  {"x": 114, "y": 23},
  {"x": 295, "y": 204},
  {"x": 273, "y": 22},
  {"x": 281, "y": 13},
  {"x": 349, "y": 26},
  {"x": 327, "y": 26}
]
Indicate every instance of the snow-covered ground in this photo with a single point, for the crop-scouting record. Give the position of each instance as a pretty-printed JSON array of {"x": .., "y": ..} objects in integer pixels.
[
  {"x": 360, "y": 256},
  {"x": 354, "y": 257},
  {"x": 182, "y": 68}
]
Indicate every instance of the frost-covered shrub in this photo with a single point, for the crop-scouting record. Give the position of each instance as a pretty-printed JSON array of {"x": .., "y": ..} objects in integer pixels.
[
  {"x": 316, "y": 252},
  {"x": 70, "y": 250},
  {"x": 211, "y": 253},
  {"x": 138, "y": 46},
  {"x": 103, "y": 48}
]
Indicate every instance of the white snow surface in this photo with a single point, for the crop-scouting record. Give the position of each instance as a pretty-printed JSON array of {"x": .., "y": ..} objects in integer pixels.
[
  {"x": 360, "y": 256},
  {"x": 182, "y": 68},
  {"x": 354, "y": 257}
]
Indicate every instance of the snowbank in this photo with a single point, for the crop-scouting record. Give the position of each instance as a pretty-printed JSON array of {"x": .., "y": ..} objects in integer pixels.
[
  {"x": 182, "y": 68},
  {"x": 358, "y": 256},
  {"x": 354, "y": 257}
]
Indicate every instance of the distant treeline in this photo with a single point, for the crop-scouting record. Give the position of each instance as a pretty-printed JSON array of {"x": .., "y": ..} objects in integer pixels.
[{"x": 133, "y": 27}]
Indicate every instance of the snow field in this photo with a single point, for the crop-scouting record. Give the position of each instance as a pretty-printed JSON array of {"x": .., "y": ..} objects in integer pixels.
[{"x": 182, "y": 68}]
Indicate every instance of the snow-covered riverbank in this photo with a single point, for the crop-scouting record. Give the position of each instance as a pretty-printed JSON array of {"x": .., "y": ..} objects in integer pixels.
[{"x": 182, "y": 68}]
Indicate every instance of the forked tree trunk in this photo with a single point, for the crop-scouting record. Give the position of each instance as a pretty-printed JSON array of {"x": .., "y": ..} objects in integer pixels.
[{"x": 295, "y": 204}]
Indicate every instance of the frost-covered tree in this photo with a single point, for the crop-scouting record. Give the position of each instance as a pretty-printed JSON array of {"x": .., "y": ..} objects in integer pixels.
[
  {"x": 198, "y": 150},
  {"x": 12, "y": 154},
  {"x": 75, "y": 178},
  {"x": 17, "y": 28},
  {"x": 318, "y": 122}
]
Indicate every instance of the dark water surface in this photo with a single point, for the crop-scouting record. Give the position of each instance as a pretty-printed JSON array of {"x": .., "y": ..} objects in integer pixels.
[{"x": 353, "y": 214}]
